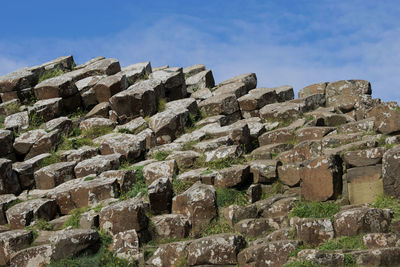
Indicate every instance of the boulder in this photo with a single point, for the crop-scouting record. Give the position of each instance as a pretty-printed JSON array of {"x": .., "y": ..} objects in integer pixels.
[
  {"x": 253, "y": 227},
  {"x": 25, "y": 170},
  {"x": 192, "y": 70},
  {"x": 290, "y": 173},
  {"x": 156, "y": 170},
  {"x": 126, "y": 245},
  {"x": 204, "y": 79},
  {"x": 97, "y": 165},
  {"x": 255, "y": 100},
  {"x": 160, "y": 196},
  {"x": 233, "y": 176},
  {"x": 391, "y": 172},
  {"x": 17, "y": 80},
  {"x": 47, "y": 109},
  {"x": 174, "y": 82},
  {"x": 60, "y": 86},
  {"x": 364, "y": 184},
  {"x": 381, "y": 240},
  {"x": 234, "y": 213},
  {"x": 54, "y": 175},
  {"x": 170, "y": 226},
  {"x": 281, "y": 111},
  {"x": 108, "y": 86},
  {"x": 314, "y": 231},
  {"x": 249, "y": 79},
  {"x": 263, "y": 171},
  {"x": 13, "y": 241},
  {"x": 9, "y": 183},
  {"x": 169, "y": 254},
  {"x": 130, "y": 147},
  {"x": 237, "y": 88},
  {"x": 318, "y": 88},
  {"x": 96, "y": 123},
  {"x": 25, "y": 141},
  {"x": 222, "y": 104},
  {"x": 312, "y": 133},
  {"x": 6, "y": 142},
  {"x": 17, "y": 122}
]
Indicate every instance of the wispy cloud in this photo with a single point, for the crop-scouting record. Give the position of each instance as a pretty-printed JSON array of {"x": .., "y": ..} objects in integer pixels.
[{"x": 325, "y": 41}]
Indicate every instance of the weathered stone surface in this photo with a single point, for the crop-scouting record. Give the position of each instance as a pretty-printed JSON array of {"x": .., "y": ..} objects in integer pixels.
[
  {"x": 290, "y": 173},
  {"x": 184, "y": 159},
  {"x": 47, "y": 109},
  {"x": 204, "y": 175},
  {"x": 126, "y": 178},
  {"x": 170, "y": 226},
  {"x": 322, "y": 258},
  {"x": 97, "y": 165},
  {"x": 192, "y": 70},
  {"x": 18, "y": 121},
  {"x": 89, "y": 220},
  {"x": 366, "y": 125},
  {"x": 314, "y": 231},
  {"x": 263, "y": 171},
  {"x": 106, "y": 66},
  {"x": 355, "y": 221},
  {"x": 253, "y": 227},
  {"x": 387, "y": 122},
  {"x": 305, "y": 150},
  {"x": 235, "y": 213},
  {"x": 33, "y": 256},
  {"x": 215, "y": 250},
  {"x": 237, "y": 88},
  {"x": 330, "y": 119},
  {"x": 156, "y": 170},
  {"x": 126, "y": 245},
  {"x": 268, "y": 254},
  {"x": 160, "y": 196},
  {"x": 282, "y": 135},
  {"x": 169, "y": 254},
  {"x": 63, "y": 124},
  {"x": 168, "y": 125},
  {"x": 346, "y": 94},
  {"x": 60, "y": 86},
  {"x": 101, "y": 110},
  {"x": 377, "y": 257},
  {"x": 9, "y": 183},
  {"x": 131, "y": 147},
  {"x": 224, "y": 152},
  {"x": 80, "y": 154},
  {"x": 239, "y": 133},
  {"x": 25, "y": 170},
  {"x": 312, "y": 133},
  {"x": 54, "y": 175},
  {"x": 198, "y": 203},
  {"x": 45, "y": 144},
  {"x": 235, "y": 175},
  {"x": 9, "y": 107},
  {"x": 321, "y": 178},
  {"x": 391, "y": 171},
  {"x": 134, "y": 126},
  {"x": 17, "y": 80},
  {"x": 249, "y": 79},
  {"x": 6, "y": 142},
  {"x": 13, "y": 241},
  {"x": 23, "y": 214},
  {"x": 277, "y": 208},
  {"x": 204, "y": 79},
  {"x": 123, "y": 216},
  {"x": 222, "y": 104},
  {"x": 318, "y": 88},
  {"x": 364, "y": 184},
  {"x": 96, "y": 122},
  {"x": 109, "y": 86},
  {"x": 380, "y": 240},
  {"x": 25, "y": 141},
  {"x": 266, "y": 151},
  {"x": 5, "y": 201},
  {"x": 187, "y": 103},
  {"x": 174, "y": 82},
  {"x": 256, "y": 99},
  {"x": 281, "y": 111}
]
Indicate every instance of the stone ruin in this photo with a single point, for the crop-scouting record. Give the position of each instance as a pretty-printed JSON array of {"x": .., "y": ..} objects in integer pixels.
[{"x": 180, "y": 171}]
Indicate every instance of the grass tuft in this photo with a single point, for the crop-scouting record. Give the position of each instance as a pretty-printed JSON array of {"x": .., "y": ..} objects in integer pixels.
[
  {"x": 50, "y": 74},
  {"x": 161, "y": 155},
  {"x": 217, "y": 227},
  {"x": 161, "y": 104},
  {"x": 140, "y": 185},
  {"x": 388, "y": 202},
  {"x": 52, "y": 159},
  {"x": 304, "y": 209},
  {"x": 180, "y": 186},
  {"x": 344, "y": 242},
  {"x": 74, "y": 220},
  {"x": 230, "y": 196}
]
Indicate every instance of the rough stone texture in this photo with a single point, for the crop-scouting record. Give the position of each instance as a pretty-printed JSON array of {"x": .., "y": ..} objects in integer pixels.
[
  {"x": 290, "y": 173},
  {"x": 60, "y": 86},
  {"x": 312, "y": 133},
  {"x": 54, "y": 175},
  {"x": 169, "y": 254},
  {"x": 268, "y": 254},
  {"x": 235, "y": 213},
  {"x": 204, "y": 79},
  {"x": 23, "y": 214},
  {"x": 249, "y": 79},
  {"x": 362, "y": 220},
  {"x": 18, "y": 121},
  {"x": 223, "y": 104},
  {"x": 126, "y": 245},
  {"x": 156, "y": 170},
  {"x": 97, "y": 165},
  {"x": 364, "y": 157},
  {"x": 8, "y": 179},
  {"x": 321, "y": 178},
  {"x": 322, "y": 258},
  {"x": 170, "y": 226},
  {"x": 237, "y": 88},
  {"x": 253, "y": 227},
  {"x": 25, "y": 170},
  {"x": 364, "y": 184},
  {"x": 96, "y": 122},
  {"x": 109, "y": 86},
  {"x": 388, "y": 122},
  {"x": 314, "y": 231},
  {"x": 130, "y": 147},
  {"x": 33, "y": 256},
  {"x": 47, "y": 109},
  {"x": 198, "y": 204},
  {"x": 160, "y": 196},
  {"x": 281, "y": 111},
  {"x": 263, "y": 171},
  {"x": 282, "y": 135},
  {"x": 379, "y": 240},
  {"x": 232, "y": 176},
  {"x": 184, "y": 159},
  {"x": 391, "y": 171},
  {"x": 5, "y": 201},
  {"x": 13, "y": 241},
  {"x": 215, "y": 250},
  {"x": 6, "y": 142},
  {"x": 318, "y": 88}
]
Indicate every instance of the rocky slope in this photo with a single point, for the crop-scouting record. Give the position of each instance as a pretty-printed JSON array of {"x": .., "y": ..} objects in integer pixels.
[{"x": 108, "y": 166}]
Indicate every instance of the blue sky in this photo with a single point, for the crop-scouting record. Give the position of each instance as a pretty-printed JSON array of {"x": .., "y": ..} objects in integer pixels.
[{"x": 284, "y": 42}]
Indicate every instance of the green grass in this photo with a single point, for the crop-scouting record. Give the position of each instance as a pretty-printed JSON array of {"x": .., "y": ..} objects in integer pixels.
[
  {"x": 98, "y": 131},
  {"x": 41, "y": 225},
  {"x": 161, "y": 155},
  {"x": 208, "y": 171},
  {"x": 89, "y": 178},
  {"x": 74, "y": 220},
  {"x": 349, "y": 260},
  {"x": 2, "y": 118},
  {"x": 344, "y": 242},
  {"x": 189, "y": 145},
  {"x": 98, "y": 208},
  {"x": 218, "y": 226},
  {"x": 140, "y": 185},
  {"x": 180, "y": 186},
  {"x": 388, "y": 202},
  {"x": 182, "y": 262},
  {"x": 79, "y": 113},
  {"x": 34, "y": 121},
  {"x": 52, "y": 159},
  {"x": 12, "y": 108},
  {"x": 74, "y": 143},
  {"x": 230, "y": 196},
  {"x": 50, "y": 74},
  {"x": 309, "y": 118},
  {"x": 103, "y": 257},
  {"x": 161, "y": 105},
  {"x": 300, "y": 263},
  {"x": 14, "y": 202},
  {"x": 304, "y": 209},
  {"x": 277, "y": 188},
  {"x": 218, "y": 164}
]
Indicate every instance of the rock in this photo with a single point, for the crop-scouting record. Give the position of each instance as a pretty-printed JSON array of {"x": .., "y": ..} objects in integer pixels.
[
  {"x": 198, "y": 203},
  {"x": 281, "y": 111},
  {"x": 160, "y": 196},
  {"x": 366, "y": 125},
  {"x": 204, "y": 175},
  {"x": 318, "y": 88},
  {"x": 330, "y": 119},
  {"x": 235, "y": 175},
  {"x": 156, "y": 170},
  {"x": 169, "y": 254},
  {"x": 279, "y": 136},
  {"x": 10, "y": 107},
  {"x": 101, "y": 110},
  {"x": 25, "y": 141},
  {"x": 377, "y": 257},
  {"x": 96, "y": 123},
  {"x": 215, "y": 250},
  {"x": 379, "y": 240},
  {"x": 355, "y": 221},
  {"x": 364, "y": 184},
  {"x": 223, "y": 104},
  {"x": 9, "y": 183},
  {"x": 25, "y": 170},
  {"x": 276, "y": 208},
  {"x": 253, "y": 227},
  {"x": 33, "y": 256},
  {"x": 266, "y": 151},
  {"x": 170, "y": 226},
  {"x": 174, "y": 82},
  {"x": 290, "y": 173},
  {"x": 184, "y": 159},
  {"x": 126, "y": 178},
  {"x": 263, "y": 171},
  {"x": 321, "y": 178},
  {"x": 314, "y": 231},
  {"x": 89, "y": 220},
  {"x": 192, "y": 70},
  {"x": 305, "y": 150},
  {"x": 134, "y": 126},
  {"x": 17, "y": 80},
  {"x": 123, "y": 216},
  {"x": 131, "y": 147},
  {"x": 81, "y": 154},
  {"x": 322, "y": 258},
  {"x": 187, "y": 103},
  {"x": 255, "y": 100},
  {"x": 312, "y": 133},
  {"x": 224, "y": 152},
  {"x": 47, "y": 109},
  {"x": 54, "y": 175},
  {"x": 391, "y": 171},
  {"x": 346, "y": 94},
  {"x": 17, "y": 122},
  {"x": 63, "y": 124},
  {"x": 269, "y": 254},
  {"x": 235, "y": 213},
  {"x": 254, "y": 193},
  {"x": 60, "y": 86},
  {"x": 204, "y": 79},
  {"x": 97, "y": 165},
  {"x": 168, "y": 125},
  {"x": 249, "y": 79},
  {"x": 387, "y": 122},
  {"x": 6, "y": 142},
  {"x": 239, "y": 133},
  {"x": 109, "y": 86},
  {"x": 23, "y": 214},
  {"x": 107, "y": 66},
  {"x": 284, "y": 93},
  {"x": 13, "y": 241},
  {"x": 45, "y": 144},
  {"x": 126, "y": 245},
  {"x": 139, "y": 99},
  {"x": 237, "y": 88}
]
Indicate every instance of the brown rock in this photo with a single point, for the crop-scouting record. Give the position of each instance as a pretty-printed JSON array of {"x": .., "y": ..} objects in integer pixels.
[
  {"x": 253, "y": 227},
  {"x": 170, "y": 226},
  {"x": 359, "y": 158},
  {"x": 312, "y": 133},
  {"x": 235, "y": 213},
  {"x": 126, "y": 245},
  {"x": 6, "y": 142},
  {"x": 33, "y": 256},
  {"x": 5, "y": 201},
  {"x": 346, "y": 94},
  {"x": 9, "y": 183},
  {"x": 47, "y": 109},
  {"x": 314, "y": 231},
  {"x": 97, "y": 165},
  {"x": 263, "y": 171},
  {"x": 169, "y": 254},
  {"x": 54, "y": 175},
  {"x": 282, "y": 135},
  {"x": 156, "y": 170},
  {"x": 318, "y": 88},
  {"x": 160, "y": 196},
  {"x": 380, "y": 240},
  {"x": 174, "y": 82},
  {"x": 60, "y": 86},
  {"x": 290, "y": 173},
  {"x": 131, "y": 147},
  {"x": 391, "y": 171},
  {"x": 233, "y": 176},
  {"x": 13, "y": 241},
  {"x": 249, "y": 79},
  {"x": 204, "y": 79},
  {"x": 109, "y": 86},
  {"x": 364, "y": 184},
  {"x": 222, "y": 104}
]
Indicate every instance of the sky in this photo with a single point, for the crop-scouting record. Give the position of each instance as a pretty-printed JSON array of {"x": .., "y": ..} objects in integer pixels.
[{"x": 284, "y": 42}]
